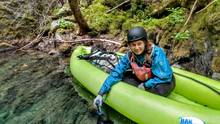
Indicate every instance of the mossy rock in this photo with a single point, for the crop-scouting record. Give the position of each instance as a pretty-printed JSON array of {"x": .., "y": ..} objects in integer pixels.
[
  {"x": 213, "y": 21},
  {"x": 116, "y": 25},
  {"x": 189, "y": 3},
  {"x": 96, "y": 17},
  {"x": 62, "y": 12},
  {"x": 215, "y": 64},
  {"x": 182, "y": 49}
]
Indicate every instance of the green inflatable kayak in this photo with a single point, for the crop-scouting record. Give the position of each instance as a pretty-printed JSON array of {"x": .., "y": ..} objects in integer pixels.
[{"x": 195, "y": 99}]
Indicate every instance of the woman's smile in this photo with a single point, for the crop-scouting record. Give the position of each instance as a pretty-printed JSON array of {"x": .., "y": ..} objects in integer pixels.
[{"x": 137, "y": 47}]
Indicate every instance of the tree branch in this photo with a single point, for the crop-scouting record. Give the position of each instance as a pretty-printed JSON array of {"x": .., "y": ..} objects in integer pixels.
[
  {"x": 33, "y": 42},
  {"x": 206, "y": 6},
  {"x": 118, "y": 6},
  {"x": 191, "y": 12},
  {"x": 84, "y": 40}
]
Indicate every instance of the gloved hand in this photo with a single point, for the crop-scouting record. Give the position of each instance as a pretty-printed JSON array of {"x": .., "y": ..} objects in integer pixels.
[
  {"x": 98, "y": 101},
  {"x": 141, "y": 86}
]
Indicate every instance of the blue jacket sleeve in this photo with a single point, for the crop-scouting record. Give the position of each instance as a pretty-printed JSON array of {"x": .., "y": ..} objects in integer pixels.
[
  {"x": 116, "y": 74},
  {"x": 160, "y": 68}
]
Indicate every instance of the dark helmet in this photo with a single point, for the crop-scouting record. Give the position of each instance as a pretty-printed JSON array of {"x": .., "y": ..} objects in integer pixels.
[{"x": 136, "y": 33}]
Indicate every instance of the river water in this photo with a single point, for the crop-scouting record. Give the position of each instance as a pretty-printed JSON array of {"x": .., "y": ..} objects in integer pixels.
[
  {"x": 110, "y": 114},
  {"x": 35, "y": 88}
]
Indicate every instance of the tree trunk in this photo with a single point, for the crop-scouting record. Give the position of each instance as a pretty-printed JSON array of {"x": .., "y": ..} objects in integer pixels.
[{"x": 74, "y": 5}]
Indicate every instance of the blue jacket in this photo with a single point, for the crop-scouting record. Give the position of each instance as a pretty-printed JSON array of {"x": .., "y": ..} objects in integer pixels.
[{"x": 160, "y": 68}]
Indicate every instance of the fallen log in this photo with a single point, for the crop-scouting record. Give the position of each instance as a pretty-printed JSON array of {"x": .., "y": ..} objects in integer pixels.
[{"x": 91, "y": 39}]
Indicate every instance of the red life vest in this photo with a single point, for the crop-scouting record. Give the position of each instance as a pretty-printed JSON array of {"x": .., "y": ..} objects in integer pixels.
[{"x": 142, "y": 73}]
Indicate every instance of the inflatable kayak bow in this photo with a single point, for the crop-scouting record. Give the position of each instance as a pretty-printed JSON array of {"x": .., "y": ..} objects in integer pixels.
[{"x": 195, "y": 98}]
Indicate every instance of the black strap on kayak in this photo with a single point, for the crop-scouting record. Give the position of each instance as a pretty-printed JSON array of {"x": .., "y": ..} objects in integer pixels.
[
  {"x": 197, "y": 81},
  {"x": 101, "y": 58}
]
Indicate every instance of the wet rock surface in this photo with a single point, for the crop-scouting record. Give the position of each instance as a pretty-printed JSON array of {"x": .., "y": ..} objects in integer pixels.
[
  {"x": 34, "y": 89},
  {"x": 37, "y": 88}
]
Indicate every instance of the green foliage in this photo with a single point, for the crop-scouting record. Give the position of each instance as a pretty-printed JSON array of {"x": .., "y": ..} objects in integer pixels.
[
  {"x": 116, "y": 24},
  {"x": 128, "y": 24},
  {"x": 56, "y": 11},
  {"x": 96, "y": 16},
  {"x": 152, "y": 23},
  {"x": 176, "y": 16},
  {"x": 112, "y": 3},
  {"x": 60, "y": 10},
  {"x": 181, "y": 36},
  {"x": 138, "y": 10},
  {"x": 217, "y": 3},
  {"x": 98, "y": 2},
  {"x": 65, "y": 24},
  {"x": 140, "y": 15}
]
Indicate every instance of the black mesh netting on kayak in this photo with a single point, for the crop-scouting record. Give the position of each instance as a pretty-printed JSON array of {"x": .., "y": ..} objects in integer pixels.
[{"x": 101, "y": 58}]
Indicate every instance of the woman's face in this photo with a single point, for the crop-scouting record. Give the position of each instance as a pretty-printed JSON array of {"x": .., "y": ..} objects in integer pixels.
[{"x": 137, "y": 47}]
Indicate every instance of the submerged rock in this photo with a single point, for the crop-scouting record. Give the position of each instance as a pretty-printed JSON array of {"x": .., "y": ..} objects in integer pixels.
[
  {"x": 34, "y": 89},
  {"x": 37, "y": 88}
]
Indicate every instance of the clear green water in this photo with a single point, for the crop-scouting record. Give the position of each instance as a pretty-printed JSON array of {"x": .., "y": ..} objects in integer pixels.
[{"x": 113, "y": 115}]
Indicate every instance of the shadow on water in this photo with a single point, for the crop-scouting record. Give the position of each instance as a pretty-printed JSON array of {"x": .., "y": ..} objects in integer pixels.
[{"x": 110, "y": 115}]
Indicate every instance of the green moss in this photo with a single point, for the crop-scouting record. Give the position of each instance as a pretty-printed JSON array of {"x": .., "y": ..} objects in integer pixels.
[
  {"x": 85, "y": 3},
  {"x": 116, "y": 24},
  {"x": 96, "y": 16},
  {"x": 28, "y": 17},
  {"x": 215, "y": 7},
  {"x": 65, "y": 24},
  {"x": 61, "y": 10},
  {"x": 200, "y": 27},
  {"x": 98, "y": 2},
  {"x": 176, "y": 16},
  {"x": 128, "y": 24},
  {"x": 152, "y": 23},
  {"x": 213, "y": 21},
  {"x": 115, "y": 21},
  {"x": 199, "y": 31},
  {"x": 112, "y": 3},
  {"x": 56, "y": 11},
  {"x": 182, "y": 36}
]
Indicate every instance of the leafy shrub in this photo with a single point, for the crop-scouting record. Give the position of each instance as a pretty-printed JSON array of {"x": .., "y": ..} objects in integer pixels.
[
  {"x": 176, "y": 16},
  {"x": 181, "y": 36},
  {"x": 96, "y": 17},
  {"x": 65, "y": 24}
]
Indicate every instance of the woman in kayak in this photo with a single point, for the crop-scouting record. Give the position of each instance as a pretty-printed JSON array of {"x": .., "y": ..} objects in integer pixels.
[{"x": 148, "y": 63}]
